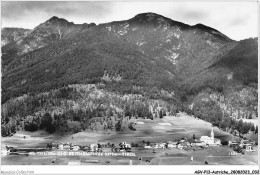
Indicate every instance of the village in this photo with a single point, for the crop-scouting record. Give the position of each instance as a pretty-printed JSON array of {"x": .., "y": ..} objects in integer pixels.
[
  {"x": 163, "y": 141},
  {"x": 238, "y": 145}
]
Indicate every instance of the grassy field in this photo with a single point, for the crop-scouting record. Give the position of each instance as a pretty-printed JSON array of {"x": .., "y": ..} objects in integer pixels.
[{"x": 157, "y": 130}]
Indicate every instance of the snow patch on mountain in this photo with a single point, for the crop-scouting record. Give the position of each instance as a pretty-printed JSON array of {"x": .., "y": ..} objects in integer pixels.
[
  {"x": 134, "y": 28},
  {"x": 168, "y": 41},
  {"x": 165, "y": 27},
  {"x": 140, "y": 43},
  {"x": 212, "y": 44},
  {"x": 170, "y": 35},
  {"x": 24, "y": 81},
  {"x": 122, "y": 32},
  {"x": 176, "y": 48},
  {"x": 177, "y": 35},
  {"x": 171, "y": 75},
  {"x": 172, "y": 57},
  {"x": 26, "y": 49},
  {"x": 179, "y": 29},
  {"x": 109, "y": 28},
  {"x": 125, "y": 25}
]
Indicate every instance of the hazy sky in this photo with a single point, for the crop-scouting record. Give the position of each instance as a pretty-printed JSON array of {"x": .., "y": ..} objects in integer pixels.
[{"x": 238, "y": 20}]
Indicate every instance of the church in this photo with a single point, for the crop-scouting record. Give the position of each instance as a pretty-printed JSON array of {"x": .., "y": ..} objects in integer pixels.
[{"x": 210, "y": 140}]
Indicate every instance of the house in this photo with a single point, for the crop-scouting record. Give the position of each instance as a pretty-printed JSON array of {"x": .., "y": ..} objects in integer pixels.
[
  {"x": 197, "y": 143},
  {"x": 207, "y": 140},
  {"x": 152, "y": 144},
  {"x": 233, "y": 143},
  {"x": 106, "y": 150},
  {"x": 66, "y": 146},
  {"x": 185, "y": 144},
  {"x": 75, "y": 147},
  {"x": 248, "y": 147},
  {"x": 86, "y": 148},
  {"x": 242, "y": 142},
  {"x": 161, "y": 145},
  {"x": 246, "y": 144},
  {"x": 217, "y": 141},
  {"x": 182, "y": 140},
  {"x": 148, "y": 146},
  {"x": 172, "y": 144},
  {"x": 103, "y": 144},
  {"x": 60, "y": 146},
  {"x": 93, "y": 147},
  {"x": 125, "y": 145},
  {"x": 179, "y": 146},
  {"x": 156, "y": 145},
  {"x": 232, "y": 153},
  {"x": 54, "y": 146},
  {"x": 5, "y": 151}
]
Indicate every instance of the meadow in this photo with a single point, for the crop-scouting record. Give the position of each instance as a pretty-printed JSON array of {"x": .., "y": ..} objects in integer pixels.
[{"x": 158, "y": 130}]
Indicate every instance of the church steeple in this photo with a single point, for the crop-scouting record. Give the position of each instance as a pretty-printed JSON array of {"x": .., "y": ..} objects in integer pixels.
[{"x": 212, "y": 135}]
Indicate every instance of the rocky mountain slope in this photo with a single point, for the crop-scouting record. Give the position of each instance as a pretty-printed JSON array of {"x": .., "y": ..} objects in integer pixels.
[
  {"x": 9, "y": 35},
  {"x": 149, "y": 55},
  {"x": 45, "y": 34}
]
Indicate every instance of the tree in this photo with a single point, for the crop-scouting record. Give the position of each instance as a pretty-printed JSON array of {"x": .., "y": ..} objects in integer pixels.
[
  {"x": 150, "y": 115},
  {"x": 5, "y": 131},
  {"x": 161, "y": 114},
  {"x": 239, "y": 126},
  {"x": 47, "y": 123},
  {"x": 127, "y": 110},
  {"x": 224, "y": 142},
  {"x": 118, "y": 125},
  {"x": 31, "y": 126},
  {"x": 148, "y": 143},
  {"x": 164, "y": 113},
  {"x": 130, "y": 126},
  {"x": 252, "y": 127}
]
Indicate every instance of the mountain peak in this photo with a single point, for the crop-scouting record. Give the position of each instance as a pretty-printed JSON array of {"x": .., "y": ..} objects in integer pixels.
[
  {"x": 57, "y": 19},
  {"x": 147, "y": 16},
  {"x": 156, "y": 19},
  {"x": 211, "y": 30},
  {"x": 203, "y": 27},
  {"x": 54, "y": 18}
]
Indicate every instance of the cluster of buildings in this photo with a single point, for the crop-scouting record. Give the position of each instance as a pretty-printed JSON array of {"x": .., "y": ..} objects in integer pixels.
[
  {"x": 204, "y": 141},
  {"x": 182, "y": 144},
  {"x": 242, "y": 144},
  {"x": 99, "y": 147}
]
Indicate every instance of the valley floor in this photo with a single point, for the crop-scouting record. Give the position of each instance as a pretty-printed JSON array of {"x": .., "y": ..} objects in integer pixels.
[{"x": 157, "y": 130}]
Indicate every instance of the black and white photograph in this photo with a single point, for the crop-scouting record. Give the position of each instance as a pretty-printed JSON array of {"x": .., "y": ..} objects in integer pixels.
[{"x": 130, "y": 83}]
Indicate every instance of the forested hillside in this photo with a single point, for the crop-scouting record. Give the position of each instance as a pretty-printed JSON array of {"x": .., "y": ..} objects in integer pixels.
[
  {"x": 80, "y": 107},
  {"x": 66, "y": 77}
]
